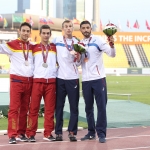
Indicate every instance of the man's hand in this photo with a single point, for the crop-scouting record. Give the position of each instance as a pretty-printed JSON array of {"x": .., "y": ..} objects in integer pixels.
[
  {"x": 76, "y": 55},
  {"x": 73, "y": 53},
  {"x": 111, "y": 41}
]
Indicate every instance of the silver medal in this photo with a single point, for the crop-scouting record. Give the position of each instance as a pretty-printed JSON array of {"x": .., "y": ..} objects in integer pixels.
[
  {"x": 45, "y": 65},
  {"x": 26, "y": 63}
]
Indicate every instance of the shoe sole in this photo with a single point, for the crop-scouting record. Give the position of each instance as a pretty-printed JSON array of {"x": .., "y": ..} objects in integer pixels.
[
  {"x": 58, "y": 140},
  {"x": 24, "y": 140},
  {"x": 88, "y": 139},
  {"x": 72, "y": 140},
  {"x": 48, "y": 139},
  {"x": 102, "y": 141},
  {"x": 12, "y": 142},
  {"x": 18, "y": 139},
  {"x": 21, "y": 140},
  {"x": 32, "y": 141}
]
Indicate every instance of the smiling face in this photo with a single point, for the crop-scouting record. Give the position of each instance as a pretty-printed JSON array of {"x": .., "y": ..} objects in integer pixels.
[
  {"x": 86, "y": 30},
  {"x": 24, "y": 33},
  {"x": 67, "y": 28}
]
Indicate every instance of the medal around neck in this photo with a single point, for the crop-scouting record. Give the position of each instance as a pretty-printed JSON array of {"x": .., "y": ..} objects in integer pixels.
[
  {"x": 26, "y": 63},
  {"x": 45, "y": 65},
  {"x": 110, "y": 29}
]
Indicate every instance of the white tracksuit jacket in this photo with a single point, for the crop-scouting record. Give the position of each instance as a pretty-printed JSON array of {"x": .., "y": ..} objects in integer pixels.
[
  {"x": 93, "y": 69},
  {"x": 67, "y": 69}
]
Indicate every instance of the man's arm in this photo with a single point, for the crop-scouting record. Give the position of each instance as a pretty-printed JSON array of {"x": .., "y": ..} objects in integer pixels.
[
  {"x": 109, "y": 49},
  {"x": 4, "y": 49}
]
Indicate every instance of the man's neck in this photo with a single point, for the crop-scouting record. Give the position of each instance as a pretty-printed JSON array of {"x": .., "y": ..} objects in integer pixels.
[
  {"x": 68, "y": 36},
  {"x": 85, "y": 37},
  {"x": 23, "y": 40},
  {"x": 44, "y": 43}
]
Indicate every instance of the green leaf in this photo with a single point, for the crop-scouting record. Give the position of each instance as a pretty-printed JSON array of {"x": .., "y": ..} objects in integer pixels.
[{"x": 76, "y": 47}]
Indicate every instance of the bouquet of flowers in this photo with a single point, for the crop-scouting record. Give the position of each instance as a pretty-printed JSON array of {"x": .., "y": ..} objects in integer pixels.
[
  {"x": 79, "y": 47},
  {"x": 110, "y": 29}
]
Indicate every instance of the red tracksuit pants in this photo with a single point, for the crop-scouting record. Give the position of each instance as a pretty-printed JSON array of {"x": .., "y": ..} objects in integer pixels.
[
  {"x": 20, "y": 92},
  {"x": 48, "y": 91}
]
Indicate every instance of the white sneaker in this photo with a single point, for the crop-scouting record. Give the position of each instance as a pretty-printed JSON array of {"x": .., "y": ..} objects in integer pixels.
[
  {"x": 50, "y": 138},
  {"x": 22, "y": 138}
]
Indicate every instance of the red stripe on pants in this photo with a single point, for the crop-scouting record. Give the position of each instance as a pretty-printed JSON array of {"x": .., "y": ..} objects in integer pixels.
[
  {"x": 19, "y": 105},
  {"x": 48, "y": 91}
]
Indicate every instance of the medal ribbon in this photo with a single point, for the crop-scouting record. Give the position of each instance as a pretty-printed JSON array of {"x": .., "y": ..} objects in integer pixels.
[
  {"x": 25, "y": 55},
  {"x": 87, "y": 45},
  {"x": 69, "y": 49},
  {"x": 45, "y": 55}
]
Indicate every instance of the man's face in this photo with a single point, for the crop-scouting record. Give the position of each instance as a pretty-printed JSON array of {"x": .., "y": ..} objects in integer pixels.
[
  {"x": 24, "y": 33},
  {"x": 68, "y": 28},
  {"x": 86, "y": 30},
  {"x": 45, "y": 35}
]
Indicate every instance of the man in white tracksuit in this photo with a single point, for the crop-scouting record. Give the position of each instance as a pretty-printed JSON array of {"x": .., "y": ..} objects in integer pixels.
[
  {"x": 67, "y": 82},
  {"x": 93, "y": 80}
]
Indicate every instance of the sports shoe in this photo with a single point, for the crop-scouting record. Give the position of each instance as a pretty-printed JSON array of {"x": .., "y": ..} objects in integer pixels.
[
  {"x": 102, "y": 140},
  {"x": 12, "y": 140},
  {"x": 50, "y": 138},
  {"x": 22, "y": 138},
  {"x": 32, "y": 139},
  {"x": 59, "y": 137},
  {"x": 72, "y": 137},
  {"x": 88, "y": 137}
]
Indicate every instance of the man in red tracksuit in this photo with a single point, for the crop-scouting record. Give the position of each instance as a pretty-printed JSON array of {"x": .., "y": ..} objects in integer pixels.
[
  {"x": 21, "y": 72},
  {"x": 44, "y": 85}
]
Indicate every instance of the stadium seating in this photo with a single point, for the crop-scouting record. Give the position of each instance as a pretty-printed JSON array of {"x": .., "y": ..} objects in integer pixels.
[
  {"x": 120, "y": 61},
  {"x": 4, "y": 61},
  {"x": 146, "y": 48}
]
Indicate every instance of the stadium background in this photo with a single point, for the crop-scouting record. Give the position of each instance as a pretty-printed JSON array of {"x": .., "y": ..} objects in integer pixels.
[{"x": 133, "y": 51}]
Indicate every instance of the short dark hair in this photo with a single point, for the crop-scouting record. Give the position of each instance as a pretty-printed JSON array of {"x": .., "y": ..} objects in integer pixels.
[
  {"x": 66, "y": 21},
  {"x": 25, "y": 24},
  {"x": 45, "y": 26},
  {"x": 85, "y": 22}
]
